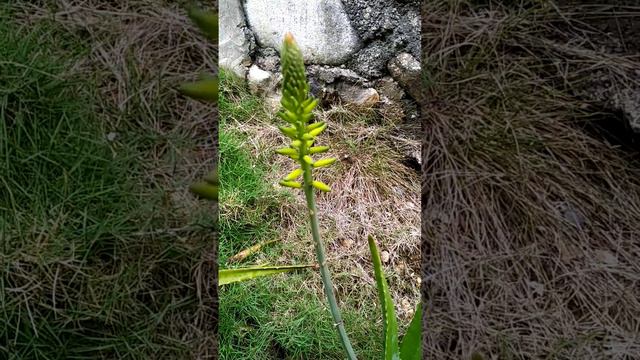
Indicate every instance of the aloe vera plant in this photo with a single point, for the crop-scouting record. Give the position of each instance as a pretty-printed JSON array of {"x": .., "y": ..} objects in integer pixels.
[
  {"x": 297, "y": 107},
  {"x": 206, "y": 89}
]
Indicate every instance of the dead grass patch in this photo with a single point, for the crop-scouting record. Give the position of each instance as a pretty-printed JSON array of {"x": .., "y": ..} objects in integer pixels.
[
  {"x": 140, "y": 51},
  {"x": 530, "y": 224}
]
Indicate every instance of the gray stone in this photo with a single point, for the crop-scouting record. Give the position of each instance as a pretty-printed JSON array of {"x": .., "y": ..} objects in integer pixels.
[
  {"x": 268, "y": 59},
  {"x": 372, "y": 60},
  {"x": 397, "y": 24},
  {"x": 389, "y": 88},
  {"x": 328, "y": 74},
  {"x": 615, "y": 92},
  {"x": 259, "y": 81},
  {"x": 234, "y": 47},
  {"x": 628, "y": 102},
  {"x": 356, "y": 95},
  {"x": 321, "y": 27},
  {"x": 406, "y": 70}
]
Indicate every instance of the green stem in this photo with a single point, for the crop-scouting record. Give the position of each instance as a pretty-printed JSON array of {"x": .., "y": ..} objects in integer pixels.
[{"x": 320, "y": 254}]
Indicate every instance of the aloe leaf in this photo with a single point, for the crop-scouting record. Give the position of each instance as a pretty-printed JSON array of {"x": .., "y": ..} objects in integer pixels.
[
  {"x": 205, "y": 190},
  {"x": 205, "y": 89},
  {"x": 212, "y": 178},
  {"x": 411, "y": 343},
  {"x": 389, "y": 321},
  {"x": 206, "y": 20},
  {"x": 228, "y": 276},
  {"x": 249, "y": 251}
]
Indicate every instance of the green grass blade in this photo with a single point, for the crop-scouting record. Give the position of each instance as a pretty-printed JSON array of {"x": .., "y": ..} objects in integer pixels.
[
  {"x": 411, "y": 343},
  {"x": 228, "y": 276},
  {"x": 389, "y": 324}
]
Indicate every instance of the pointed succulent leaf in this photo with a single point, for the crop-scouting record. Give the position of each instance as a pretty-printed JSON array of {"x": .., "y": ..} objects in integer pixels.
[
  {"x": 228, "y": 276},
  {"x": 205, "y": 190},
  {"x": 291, "y": 184},
  {"x": 294, "y": 174},
  {"x": 309, "y": 107},
  {"x": 321, "y": 186},
  {"x": 314, "y": 126},
  {"x": 212, "y": 178},
  {"x": 318, "y": 130},
  {"x": 389, "y": 321},
  {"x": 296, "y": 144},
  {"x": 206, "y": 20},
  {"x": 324, "y": 162},
  {"x": 205, "y": 89},
  {"x": 288, "y": 102},
  {"x": 288, "y": 116},
  {"x": 307, "y": 159},
  {"x": 307, "y": 136},
  {"x": 411, "y": 343},
  {"x": 287, "y": 151},
  {"x": 318, "y": 149},
  {"x": 306, "y": 117},
  {"x": 289, "y": 131}
]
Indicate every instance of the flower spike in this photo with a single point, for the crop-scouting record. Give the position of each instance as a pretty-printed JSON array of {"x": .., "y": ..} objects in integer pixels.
[{"x": 297, "y": 111}]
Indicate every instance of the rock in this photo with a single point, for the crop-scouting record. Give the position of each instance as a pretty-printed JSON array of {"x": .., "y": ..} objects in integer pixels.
[
  {"x": 371, "y": 60},
  {"x": 321, "y": 27},
  {"x": 406, "y": 70},
  {"x": 618, "y": 93},
  {"x": 356, "y": 95},
  {"x": 384, "y": 256},
  {"x": 328, "y": 74},
  {"x": 234, "y": 47},
  {"x": 259, "y": 81},
  {"x": 325, "y": 81},
  {"x": 396, "y": 24},
  {"x": 268, "y": 59},
  {"x": 627, "y": 101},
  {"x": 389, "y": 88}
]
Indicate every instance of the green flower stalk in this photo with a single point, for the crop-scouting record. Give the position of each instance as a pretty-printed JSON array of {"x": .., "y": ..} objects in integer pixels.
[{"x": 297, "y": 110}]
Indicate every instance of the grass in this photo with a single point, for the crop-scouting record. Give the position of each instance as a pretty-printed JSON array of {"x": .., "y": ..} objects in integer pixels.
[
  {"x": 531, "y": 219},
  {"x": 103, "y": 252},
  {"x": 286, "y": 317}
]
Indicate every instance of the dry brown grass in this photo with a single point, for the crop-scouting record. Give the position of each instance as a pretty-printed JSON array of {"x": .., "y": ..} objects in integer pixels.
[
  {"x": 530, "y": 223},
  {"x": 140, "y": 51}
]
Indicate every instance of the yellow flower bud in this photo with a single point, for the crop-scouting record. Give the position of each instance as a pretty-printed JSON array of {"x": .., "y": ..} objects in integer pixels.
[
  {"x": 291, "y": 184},
  {"x": 318, "y": 130},
  {"x": 293, "y": 175},
  {"x": 324, "y": 162},
  {"x": 318, "y": 149},
  {"x": 308, "y": 159},
  {"x": 287, "y": 151},
  {"x": 321, "y": 186}
]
